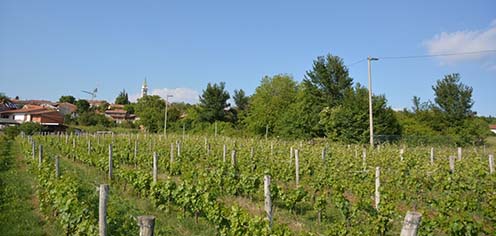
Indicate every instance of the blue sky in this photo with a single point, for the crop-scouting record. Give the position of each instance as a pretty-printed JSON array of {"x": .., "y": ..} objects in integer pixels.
[{"x": 54, "y": 48}]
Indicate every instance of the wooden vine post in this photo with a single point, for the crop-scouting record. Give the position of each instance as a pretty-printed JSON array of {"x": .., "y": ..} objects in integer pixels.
[
  {"x": 178, "y": 145},
  {"x": 268, "y": 200},
  {"x": 102, "y": 210},
  {"x": 459, "y": 153},
  {"x": 224, "y": 152},
  {"x": 234, "y": 162},
  {"x": 40, "y": 155},
  {"x": 154, "y": 167},
  {"x": 33, "y": 149},
  {"x": 57, "y": 170},
  {"x": 377, "y": 186},
  {"x": 171, "y": 152},
  {"x": 110, "y": 162},
  {"x": 411, "y": 224},
  {"x": 297, "y": 166},
  {"x": 491, "y": 163},
  {"x": 432, "y": 156},
  {"x": 147, "y": 225},
  {"x": 324, "y": 153},
  {"x": 402, "y": 151},
  {"x": 364, "y": 159},
  {"x": 452, "y": 164}
]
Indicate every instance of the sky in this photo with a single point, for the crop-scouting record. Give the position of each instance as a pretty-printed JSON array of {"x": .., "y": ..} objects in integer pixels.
[{"x": 54, "y": 48}]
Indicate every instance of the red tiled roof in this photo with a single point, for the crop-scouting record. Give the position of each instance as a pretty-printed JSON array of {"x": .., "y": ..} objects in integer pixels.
[
  {"x": 118, "y": 111},
  {"x": 492, "y": 126},
  {"x": 26, "y": 109}
]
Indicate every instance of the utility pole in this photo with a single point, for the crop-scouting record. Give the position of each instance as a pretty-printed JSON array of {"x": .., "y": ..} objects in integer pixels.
[
  {"x": 165, "y": 119},
  {"x": 371, "y": 118}
]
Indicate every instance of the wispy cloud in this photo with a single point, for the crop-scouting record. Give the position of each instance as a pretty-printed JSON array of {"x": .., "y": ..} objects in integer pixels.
[
  {"x": 186, "y": 95},
  {"x": 464, "y": 41}
]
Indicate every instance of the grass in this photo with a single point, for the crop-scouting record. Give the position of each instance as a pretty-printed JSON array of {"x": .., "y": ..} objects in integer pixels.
[
  {"x": 172, "y": 222},
  {"x": 18, "y": 203}
]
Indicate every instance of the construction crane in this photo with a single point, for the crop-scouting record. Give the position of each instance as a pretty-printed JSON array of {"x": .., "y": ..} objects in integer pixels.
[{"x": 93, "y": 94}]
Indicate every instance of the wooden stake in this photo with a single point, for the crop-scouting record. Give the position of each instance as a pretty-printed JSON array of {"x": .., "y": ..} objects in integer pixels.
[
  {"x": 459, "y": 153},
  {"x": 33, "y": 149},
  {"x": 252, "y": 153},
  {"x": 224, "y": 153},
  {"x": 102, "y": 210},
  {"x": 234, "y": 162},
  {"x": 491, "y": 163},
  {"x": 432, "y": 156},
  {"x": 178, "y": 144},
  {"x": 110, "y": 162},
  {"x": 452, "y": 164},
  {"x": 57, "y": 171},
  {"x": 40, "y": 155},
  {"x": 364, "y": 159},
  {"x": 171, "y": 152},
  {"x": 268, "y": 200},
  {"x": 411, "y": 224},
  {"x": 297, "y": 167},
  {"x": 323, "y": 154},
  {"x": 154, "y": 167},
  {"x": 401, "y": 153},
  {"x": 147, "y": 225},
  {"x": 377, "y": 186}
]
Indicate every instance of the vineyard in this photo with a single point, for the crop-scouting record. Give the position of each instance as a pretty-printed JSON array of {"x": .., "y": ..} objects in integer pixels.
[{"x": 314, "y": 188}]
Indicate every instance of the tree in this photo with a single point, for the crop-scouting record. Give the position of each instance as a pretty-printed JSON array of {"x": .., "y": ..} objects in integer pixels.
[
  {"x": 213, "y": 103},
  {"x": 150, "y": 110},
  {"x": 122, "y": 98},
  {"x": 453, "y": 98},
  {"x": 82, "y": 106},
  {"x": 68, "y": 98},
  {"x": 329, "y": 80},
  {"x": 240, "y": 99},
  {"x": 349, "y": 122},
  {"x": 323, "y": 86},
  {"x": 269, "y": 103}
]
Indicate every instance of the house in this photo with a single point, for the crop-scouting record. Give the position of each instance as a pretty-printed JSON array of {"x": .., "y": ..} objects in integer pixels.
[
  {"x": 493, "y": 128},
  {"x": 66, "y": 108},
  {"x": 49, "y": 118},
  {"x": 120, "y": 115}
]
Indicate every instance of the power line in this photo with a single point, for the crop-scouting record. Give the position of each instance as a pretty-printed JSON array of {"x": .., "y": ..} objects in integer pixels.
[
  {"x": 427, "y": 56},
  {"x": 441, "y": 54}
]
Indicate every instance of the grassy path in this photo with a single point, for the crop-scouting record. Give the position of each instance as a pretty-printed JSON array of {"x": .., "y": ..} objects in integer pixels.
[
  {"x": 172, "y": 222},
  {"x": 19, "y": 213}
]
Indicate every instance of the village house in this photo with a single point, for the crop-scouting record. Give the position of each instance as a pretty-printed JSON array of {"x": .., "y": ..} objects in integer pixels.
[
  {"x": 49, "y": 118},
  {"x": 493, "y": 128},
  {"x": 119, "y": 115}
]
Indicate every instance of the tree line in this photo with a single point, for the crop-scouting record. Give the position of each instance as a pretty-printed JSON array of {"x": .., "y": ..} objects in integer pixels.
[{"x": 327, "y": 103}]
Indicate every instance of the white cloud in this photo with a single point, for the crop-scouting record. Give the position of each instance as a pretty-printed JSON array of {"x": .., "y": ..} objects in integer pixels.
[
  {"x": 463, "y": 41},
  {"x": 186, "y": 95}
]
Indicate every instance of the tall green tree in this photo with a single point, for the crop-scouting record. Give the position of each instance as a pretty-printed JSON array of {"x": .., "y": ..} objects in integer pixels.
[
  {"x": 323, "y": 86},
  {"x": 122, "y": 98},
  {"x": 150, "y": 110},
  {"x": 240, "y": 99},
  {"x": 453, "y": 98},
  {"x": 269, "y": 103},
  {"x": 349, "y": 121},
  {"x": 213, "y": 103},
  {"x": 329, "y": 80},
  {"x": 68, "y": 98}
]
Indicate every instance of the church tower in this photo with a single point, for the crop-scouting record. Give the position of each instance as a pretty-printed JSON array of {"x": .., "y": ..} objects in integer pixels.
[{"x": 144, "y": 89}]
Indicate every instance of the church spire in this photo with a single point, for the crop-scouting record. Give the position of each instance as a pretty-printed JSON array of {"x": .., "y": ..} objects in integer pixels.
[{"x": 144, "y": 89}]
